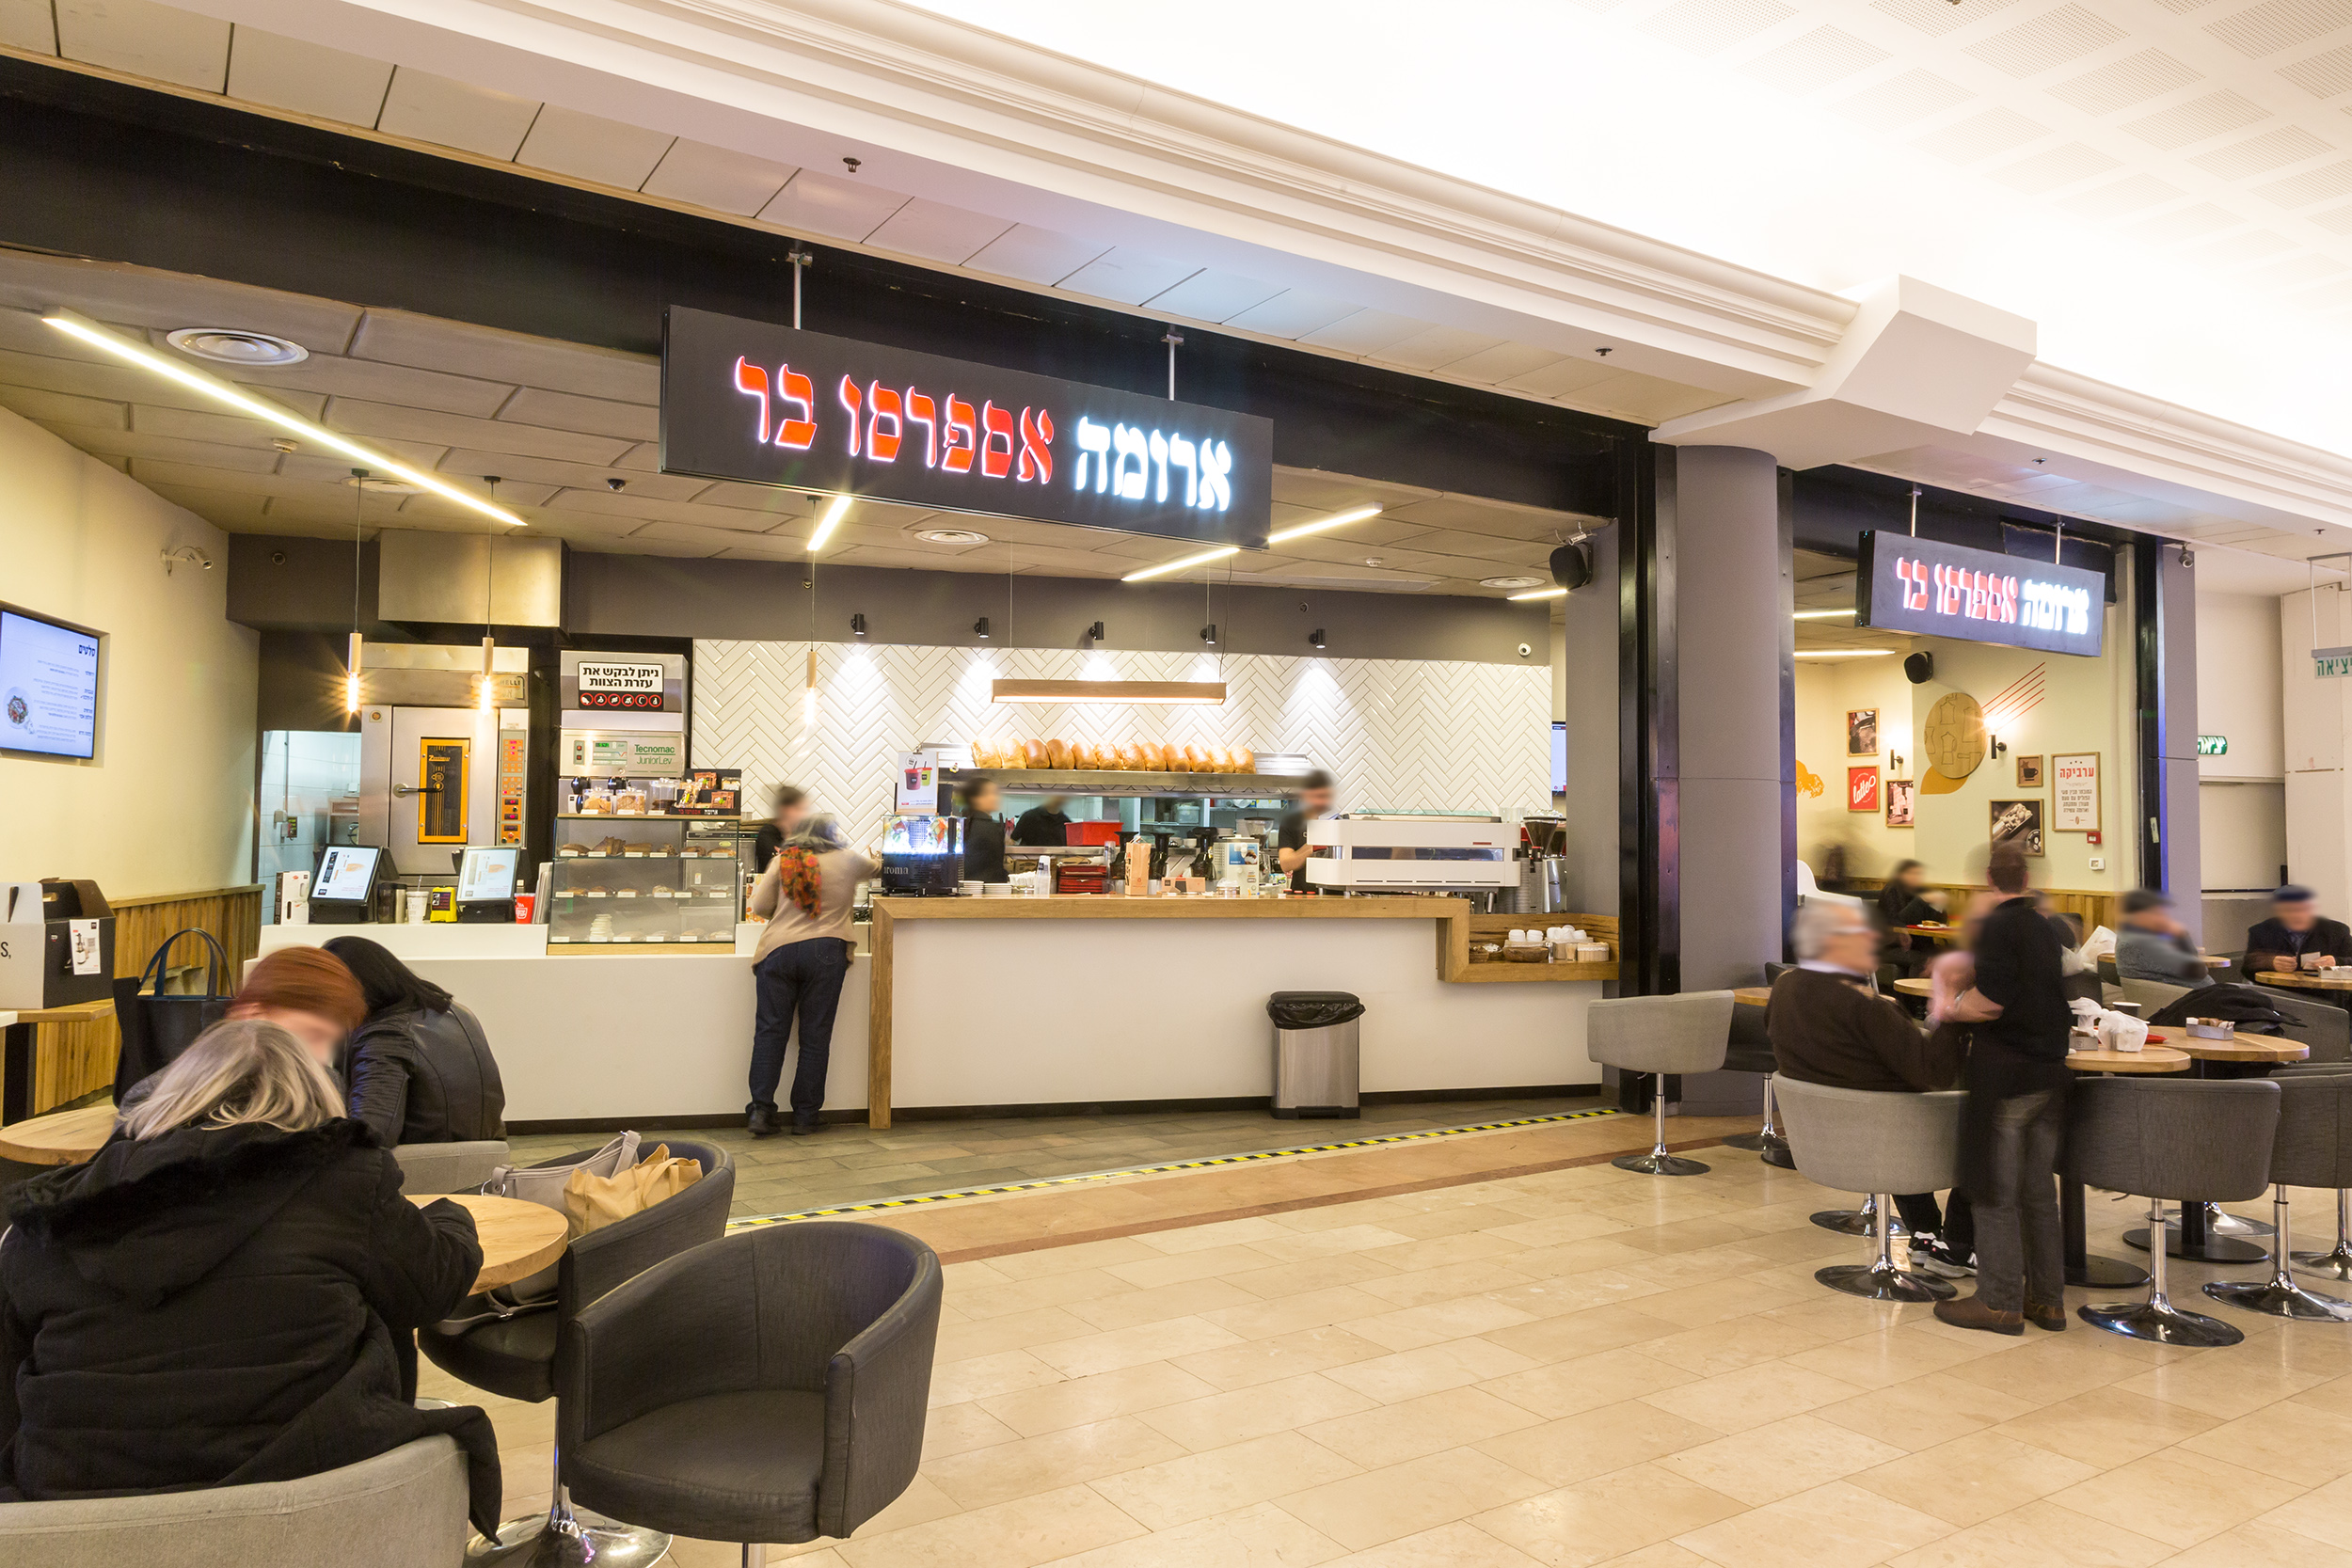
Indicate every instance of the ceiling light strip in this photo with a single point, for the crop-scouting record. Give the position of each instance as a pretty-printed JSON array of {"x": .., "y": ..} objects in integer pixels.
[
  {"x": 1167, "y": 566},
  {"x": 1845, "y": 653},
  {"x": 826, "y": 524},
  {"x": 1540, "y": 594},
  {"x": 1337, "y": 519},
  {"x": 262, "y": 408},
  {"x": 1819, "y": 614}
]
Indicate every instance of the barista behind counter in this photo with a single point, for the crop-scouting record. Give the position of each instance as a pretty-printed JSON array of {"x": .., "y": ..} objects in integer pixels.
[
  {"x": 1314, "y": 799},
  {"x": 984, "y": 830},
  {"x": 1044, "y": 825}
]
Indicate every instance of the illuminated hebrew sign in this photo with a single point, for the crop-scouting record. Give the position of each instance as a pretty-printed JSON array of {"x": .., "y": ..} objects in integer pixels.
[
  {"x": 767, "y": 404},
  {"x": 1921, "y": 585}
]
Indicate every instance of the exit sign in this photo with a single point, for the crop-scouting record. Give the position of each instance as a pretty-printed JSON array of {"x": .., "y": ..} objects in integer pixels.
[{"x": 2213, "y": 745}]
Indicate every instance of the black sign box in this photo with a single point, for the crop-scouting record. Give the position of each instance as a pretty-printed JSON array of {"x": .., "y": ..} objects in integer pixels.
[
  {"x": 1920, "y": 585},
  {"x": 767, "y": 404}
]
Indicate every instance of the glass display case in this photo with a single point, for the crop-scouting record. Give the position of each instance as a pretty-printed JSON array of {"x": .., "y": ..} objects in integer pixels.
[{"x": 621, "y": 878}]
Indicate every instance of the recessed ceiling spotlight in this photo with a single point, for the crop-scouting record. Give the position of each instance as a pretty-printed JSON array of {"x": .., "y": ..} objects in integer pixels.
[
  {"x": 227, "y": 346},
  {"x": 1513, "y": 583},
  {"x": 951, "y": 536},
  {"x": 1375, "y": 561}
]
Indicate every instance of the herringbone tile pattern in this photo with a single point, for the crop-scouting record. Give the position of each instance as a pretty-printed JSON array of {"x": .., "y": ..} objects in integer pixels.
[{"x": 1404, "y": 735}]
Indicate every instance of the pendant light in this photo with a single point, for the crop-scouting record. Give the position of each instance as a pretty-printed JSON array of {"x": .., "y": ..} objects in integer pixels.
[
  {"x": 489, "y": 697},
  {"x": 351, "y": 659}
]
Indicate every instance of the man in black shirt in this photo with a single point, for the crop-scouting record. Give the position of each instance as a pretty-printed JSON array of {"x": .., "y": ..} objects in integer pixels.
[
  {"x": 1314, "y": 799},
  {"x": 792, "y": 810},
  {"x": 2017, "y": 1086},
  {"x": 1044, "y": 825},
  {"x": 2294, "y": 931}
]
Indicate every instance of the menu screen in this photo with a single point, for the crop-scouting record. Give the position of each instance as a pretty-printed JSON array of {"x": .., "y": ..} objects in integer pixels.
[
  {"x": 487, "y": 876},
  {"x": 48, "y": 687},
  {"x": 344, "y": 874}
]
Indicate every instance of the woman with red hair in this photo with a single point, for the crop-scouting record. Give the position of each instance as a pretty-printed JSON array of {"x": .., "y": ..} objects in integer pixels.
[{"x": 308, "y": 992}]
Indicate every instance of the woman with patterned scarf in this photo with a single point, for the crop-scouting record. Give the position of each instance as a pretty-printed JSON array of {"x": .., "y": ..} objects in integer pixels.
[{"x": 804, "y": 955}]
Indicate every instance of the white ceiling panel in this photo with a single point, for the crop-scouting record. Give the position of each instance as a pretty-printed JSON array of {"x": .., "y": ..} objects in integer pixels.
[
  {"x": 603, "y": 503},
  {"x": 1503, "y": 362},
  {"x": 229, "y": 430},
  {"x": 584, "y": 147},
  {"x": 305, "y": 78},
  {"x": 936, "y": 232},
  {"x": 838, "y": 209},
  {"x": 429, "y": 343},
  {"x": 1814, "y": 61},
  {"x": 558, "y": 475},
  {"x": 1562, "y": 378},
  {"x": 1031, "y": 254},
  {"x": 2121, "y": 197},
  {"x": 705, "y": 176},
  {"x": 1126, "y": 276},
  {"x": 146, "y": 40},
  {"x": 1293, "y": 313},
  {"x": 1710, "y": 27},
  {"x": 1210, "y": 296},
  {"x": 355, "y": 418},
  {"x": 1904, "y": 100},
  {"x": 1363, "y": 332},
  {"x": 2053, "y": 170},
  {"x": 424, "y": 107},
  {"x": 29, "y": 26},
  {"x": 380, "y": 383},
  {"x": 255, "y": 459},
  {"x": 2119, "y": 84},
  {"x": 1433, "y": 346},
  {"x": 631, "y": 421},
  {"x": 64, "y": 408}
]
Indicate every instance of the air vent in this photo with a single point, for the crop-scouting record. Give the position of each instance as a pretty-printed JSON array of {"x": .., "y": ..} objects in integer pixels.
[
  {"x": 227, "y": 346},
  {"x": 2336, "y": 220},
  {"x": 2060, "y": 167},
  {"x": 1812, "y": 62},
  {"x": 1899, "y": 100},
  {"x": 2197, "y": 119},
  {"x": 1710, "y": 26},
  {"x": 2134, "y": 195},
  {"x": 2182, "y": 7},
  {"x": 2301, "y": 190},
  {"x": 1937, "y": 17},
  {"x": 2279, "y": 25},
  {"x": 2262, "y": 154},
  {"x": 2189, "y": 223},
  {"x": 1980, "y": 137},
  {"x": 2046, "y": 42},
  {"x": 2323, "y": 75},
  {"x": 2133, "y": 79}
]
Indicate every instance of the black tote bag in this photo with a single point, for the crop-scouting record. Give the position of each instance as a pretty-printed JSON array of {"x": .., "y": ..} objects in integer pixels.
[{"x": 156, "y": 1028}]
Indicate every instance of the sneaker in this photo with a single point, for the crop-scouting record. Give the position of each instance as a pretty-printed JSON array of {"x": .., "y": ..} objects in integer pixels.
[{"x": 1929, "y": 1252}]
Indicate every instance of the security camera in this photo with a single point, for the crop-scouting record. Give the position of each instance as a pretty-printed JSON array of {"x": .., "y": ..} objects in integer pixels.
[
  {"x": 278, "y": 558},
  {"x": 616, "y": 485},
  {"x": 1525, "y": 650}
]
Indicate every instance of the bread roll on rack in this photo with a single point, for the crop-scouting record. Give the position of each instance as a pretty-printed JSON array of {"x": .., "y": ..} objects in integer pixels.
[
  {"x": 1033, "y": 753},
  {"x": 1057, "y": 753},
  {"x": 1245, "y": 761}
]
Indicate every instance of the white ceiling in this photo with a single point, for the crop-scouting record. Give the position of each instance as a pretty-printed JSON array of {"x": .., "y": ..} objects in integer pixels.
[{"x": 557, "y": 422}]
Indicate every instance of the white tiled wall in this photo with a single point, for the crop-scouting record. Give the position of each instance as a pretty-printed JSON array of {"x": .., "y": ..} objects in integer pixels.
[{"x": 1409, "y": 734}]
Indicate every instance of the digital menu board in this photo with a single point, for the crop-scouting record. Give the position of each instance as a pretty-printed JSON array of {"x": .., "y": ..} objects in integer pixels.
[{"x": 48, "y": 686}]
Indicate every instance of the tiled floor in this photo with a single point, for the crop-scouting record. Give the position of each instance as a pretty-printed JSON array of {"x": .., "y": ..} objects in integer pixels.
[
  {"x": 850, "y": 1161},
  {"x": 1570, "y": 1368}
]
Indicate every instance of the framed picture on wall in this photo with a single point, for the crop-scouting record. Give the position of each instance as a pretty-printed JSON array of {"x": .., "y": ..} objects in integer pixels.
[
  {"x": 1862, "y": 732},
  {"x": 2018, "y": 823},
  {"x": 1862, "y": 788},
  {"x": 1899, "y": 794},
  {"x": 2074, "y": 792},
  {"x": 2029, "y": 774}
]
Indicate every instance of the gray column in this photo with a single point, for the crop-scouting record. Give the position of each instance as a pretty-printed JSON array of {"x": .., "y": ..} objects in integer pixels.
[
  {"x": 2170, "y": 790},
  {"x": 1734, "y": 589}
]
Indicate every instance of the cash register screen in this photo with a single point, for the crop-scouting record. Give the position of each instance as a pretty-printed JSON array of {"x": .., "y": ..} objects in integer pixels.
[
  {"x": 345, "y": 874},
  {"x": 487, "y": 876}
]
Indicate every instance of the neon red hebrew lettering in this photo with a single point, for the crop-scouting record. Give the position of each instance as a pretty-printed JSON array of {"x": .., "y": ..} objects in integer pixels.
[
  {"x": 1036, "y": 442},
  {"x": 956, "y": 456},
  {"x": 850, "y": 399},
  {"x": 883, "y": 445},
  {"x": 792, "y": 387},
  {"x": 922, "y": 411},
  {"x": 752, "y": 382},
  {"x": 996, "y": 461}
]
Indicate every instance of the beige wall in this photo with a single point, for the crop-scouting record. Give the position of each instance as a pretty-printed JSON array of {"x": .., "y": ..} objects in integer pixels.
[
  {"x": 167, "y": 804},
  {"x": 2086, "y": 706}
]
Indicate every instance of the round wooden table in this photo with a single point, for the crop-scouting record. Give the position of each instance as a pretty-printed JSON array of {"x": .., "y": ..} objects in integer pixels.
[
  {"x": 2300, "y": 981},
  {"x": 59, "y": 1138},
  {"x": 2262, "y": 1050},
  {"x": 1752, "y": 996},
  {"x": 519, "y": 1239},
  {"x": 1935, "y": 933},
  {"x": 1916, "y": 985}
]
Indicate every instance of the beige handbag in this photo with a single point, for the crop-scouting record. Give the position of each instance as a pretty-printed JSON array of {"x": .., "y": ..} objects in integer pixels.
[{"x": 592, "y": 1202}]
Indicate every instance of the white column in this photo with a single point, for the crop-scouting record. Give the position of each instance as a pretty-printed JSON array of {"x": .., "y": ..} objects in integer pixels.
[{"x": 2316, "y": 713}]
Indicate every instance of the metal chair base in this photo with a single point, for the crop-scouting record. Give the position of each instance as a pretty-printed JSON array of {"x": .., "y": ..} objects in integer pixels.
[
  {"x": 1752, "y": 1142},
  {"x": 2217, "y": 1250},
  {"x": 2279, "y": 1297},
  {"x": 2335, "y": 1264},
  {"x": 1856, "y": 1222},
  {"x": 2160, "y": 1323},
  {"x": 1657, "y": 1162},
  {"x": 535, "y": 1542},
  {"x": 1776, "y": 1153},
  {"x": 1872, "y": 1283}
]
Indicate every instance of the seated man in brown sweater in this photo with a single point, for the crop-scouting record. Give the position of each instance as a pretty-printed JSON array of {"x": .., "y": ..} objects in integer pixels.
[{"x": 1827, "y": 1026}]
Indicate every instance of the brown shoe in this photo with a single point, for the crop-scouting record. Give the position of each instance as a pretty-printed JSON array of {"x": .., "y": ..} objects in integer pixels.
[
  {"x": 2042, "y": 1314},
  {"x": 1971, "y": 1313}
]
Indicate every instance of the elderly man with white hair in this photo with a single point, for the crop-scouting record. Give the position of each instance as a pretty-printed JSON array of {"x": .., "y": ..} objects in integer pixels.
[{"x": 1829, "y": 1026}]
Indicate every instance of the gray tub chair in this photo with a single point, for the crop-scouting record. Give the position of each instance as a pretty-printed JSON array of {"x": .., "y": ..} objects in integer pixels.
[
  {"x": 427, "y": 1168},
  {"x": 1862, "y": 1141},
  {"x": 1660, "y": 1035},
  {"x": 2313, "y": 1149}
]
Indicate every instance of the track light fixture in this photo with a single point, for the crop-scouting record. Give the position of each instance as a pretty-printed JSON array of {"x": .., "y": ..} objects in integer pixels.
[
  {"x": 1094, "y": 632},
  {"x": 1208, "y": 634},
  {"x": 1314, "y": 638},
  {"x": 979, "y": 627},
  {"x": 857, "y": 626}
]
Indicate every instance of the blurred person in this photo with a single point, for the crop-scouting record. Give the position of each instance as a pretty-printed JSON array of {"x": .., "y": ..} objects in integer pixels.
[
  {"x": 2297, "y": 935},
  {"x": 806, "y": 896},
  {"x": 307, "y": 992},
  {"x": 977, "y": 802},
  {"x": 1290, "y": 852},
  {"x": 215, "y": 1299},
  {"x": 788, "y": 809},
  {"x": 418, "y": 1069},
  {"x": 1043, "y": 824},
  {"x": 2154, "y": 945}
]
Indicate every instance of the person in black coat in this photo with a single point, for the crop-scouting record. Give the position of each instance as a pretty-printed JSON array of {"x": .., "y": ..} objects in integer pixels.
[
  {"x": 984, "y": 832},
  {"x": 418, "y": 1069},
  {"x": 212, "y": 1300},
  {"x": 2294, "y": 931}
]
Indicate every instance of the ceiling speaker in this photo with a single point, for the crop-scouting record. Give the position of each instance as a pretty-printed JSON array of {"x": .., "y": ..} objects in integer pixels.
[
  {"x": 1572, "y": 566},
  {"x": 1920, "y": 668}
]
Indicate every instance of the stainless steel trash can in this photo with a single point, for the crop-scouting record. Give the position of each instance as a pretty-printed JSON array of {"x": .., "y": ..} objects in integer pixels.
[{"x": 1318, "y": 1052}]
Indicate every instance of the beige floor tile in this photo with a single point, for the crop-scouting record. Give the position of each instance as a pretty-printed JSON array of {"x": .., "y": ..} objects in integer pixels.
[
  {"x": 2225, "y": 1386},
  {"x": 1569, "y": 1335},
  {"x": 1176, "y": 1267},
  {"x": 2179, "y": 1503},
  {"x": 1390, "y": 1434},
  {"x": 1975, "y": 1477},
  {"x": 1411, "y": 1327},
  {"x": 1559, "y": 1228},
  {"x": 1184, "y": 1299},
  {"x": 1925, "y": 1411},
  {"x": 1311, "y": 1274},
  {"x": 1023, "y": 1295},
  {"x": 1608, "y": 1518},
  {"x": 1289, "y": 1246},
  {"x": 1837, "y": 1526},
  {"x": 1766, "y": 1463},
  {"x": 961, "y": 1342},
  {"x": 1076, "y": 1402},
  {"x": 1577, "y": 1448},
  {"x": 1283, "y": 1405},
  {"x": 1455, "y": 1545},
  {"x": 1410, "y": 1374},
  {"x": 1588, "y": 1383},
  {"x": 2334, "y": 1395},
  {"x": 2106, "y": 1428},
  {"x": 958, "y": 1428},
  {"x": 729, "y": 1554},
  {"x": 980, "y": 1376},
  {"x": 2038, "y": 1535},
  {"x": 1738, "y": 1296},
  {"x": 2050, "y": 1367},
  {"x": 2257, "y": 1545},
  {"x": 1726, "y": 1347},
  {"x": 1080, "y": 1254},
  {"x": 1179, "y": 1491},
  {"x": 1838, "y": 1317},
  {"x": 1201, "y": 1238},
  {"x": 1119, "y": 1348},
  {"x": 1027, "y": 1466},
  {"x": 1445, "y": 1281},
  {"x": 1016, "y": 1535},
  {"x": 1404, "y": 1499},
  {"x": 2324, "y": 1513},
  {"x": 1881, "y": 1360},
  {"x": 1663, "y": 1555},
  {"x": 1443, "y": 1252},
  {"x": 1752, "y": 1396},
  {"x": 1259, "y": 1536},
  {"x": 1570, "y": 1259},
  {"x": 1255, "y": 1361},
  {"x": 2290, "y": 1441},
  {"x": 1263, "y": 1319}
]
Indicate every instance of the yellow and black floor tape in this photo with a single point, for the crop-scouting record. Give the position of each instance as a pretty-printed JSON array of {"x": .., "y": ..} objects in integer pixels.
[{"x": 1212, "y": 1162}]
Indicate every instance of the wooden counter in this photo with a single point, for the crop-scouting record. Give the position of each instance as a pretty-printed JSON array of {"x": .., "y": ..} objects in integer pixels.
[{"x": 1455, "y": 927}]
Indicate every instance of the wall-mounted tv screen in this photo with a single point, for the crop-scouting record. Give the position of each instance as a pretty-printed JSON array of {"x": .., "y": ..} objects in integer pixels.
[{"x": 48, "y": 686}]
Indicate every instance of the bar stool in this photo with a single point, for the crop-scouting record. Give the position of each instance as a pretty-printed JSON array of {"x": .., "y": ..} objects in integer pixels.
[
  {"x": 1660, "y": 1034},
  {"x": 1752, "y": 1052},
  {"x": 1864, "y": 1141},
  {"x": 2202, "y": 1141},
  {"x": 2313, "y": 1149}
]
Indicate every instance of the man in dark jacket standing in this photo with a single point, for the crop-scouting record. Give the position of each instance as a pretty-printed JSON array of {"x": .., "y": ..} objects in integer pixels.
[
  {"x": 2296, "y": 932},
  {"x": 2018, "y": 1081}
]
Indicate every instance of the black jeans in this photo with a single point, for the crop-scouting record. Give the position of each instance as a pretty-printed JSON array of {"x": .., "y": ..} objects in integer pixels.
[{"x": 803, "y": 977}]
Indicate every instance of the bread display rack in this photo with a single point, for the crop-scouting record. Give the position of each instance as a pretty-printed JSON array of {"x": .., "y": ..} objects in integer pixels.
[{"x": 1123, "y": 782}]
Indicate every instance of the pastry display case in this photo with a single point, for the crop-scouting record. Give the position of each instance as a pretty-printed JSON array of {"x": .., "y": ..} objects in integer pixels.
[{"x": 650, "y": 880}]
